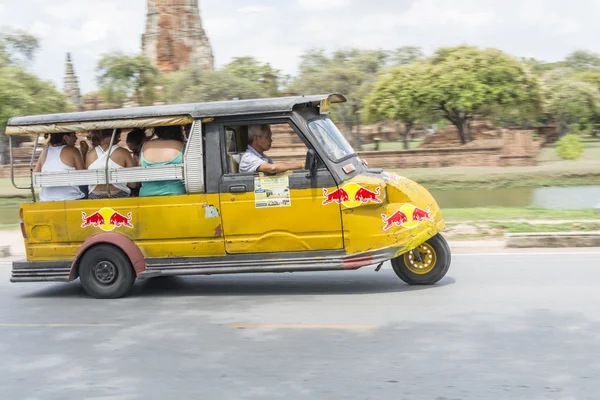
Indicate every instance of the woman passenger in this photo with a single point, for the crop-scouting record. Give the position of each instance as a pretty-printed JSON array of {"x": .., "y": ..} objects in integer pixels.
[
  {"x": 119, "y": 158},
  {"x": 60, "y": 155},
  {"x": 135, "y": 140},
  {"x": 166, "y": 149}
]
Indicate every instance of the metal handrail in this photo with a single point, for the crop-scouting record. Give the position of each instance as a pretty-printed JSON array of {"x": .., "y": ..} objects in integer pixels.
[
  {"x": 106, "y": 172},
  {"x": 35, "y": 145},
  {"x": 12, "y": 168}
]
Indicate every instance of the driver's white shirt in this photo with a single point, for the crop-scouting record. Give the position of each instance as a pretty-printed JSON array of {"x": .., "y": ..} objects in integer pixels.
[{"x": 252, "y": 159}]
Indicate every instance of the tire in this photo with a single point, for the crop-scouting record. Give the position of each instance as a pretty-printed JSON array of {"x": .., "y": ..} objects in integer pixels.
[
  {"x": 106, "y": 272},
  {"x": 435, "y": 251}
]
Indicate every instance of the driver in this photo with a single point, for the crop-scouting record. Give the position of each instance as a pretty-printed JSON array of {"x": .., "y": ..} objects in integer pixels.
[{"x": 254, "y": 159}]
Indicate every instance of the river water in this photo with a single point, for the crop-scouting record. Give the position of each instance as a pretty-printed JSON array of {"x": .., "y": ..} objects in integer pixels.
[{"x": 554, "y": 198}]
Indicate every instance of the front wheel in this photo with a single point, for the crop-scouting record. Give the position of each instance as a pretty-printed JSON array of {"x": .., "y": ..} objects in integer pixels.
[
  {"x": 429, "y": 268},
  {"x": 106, "y": 272}
]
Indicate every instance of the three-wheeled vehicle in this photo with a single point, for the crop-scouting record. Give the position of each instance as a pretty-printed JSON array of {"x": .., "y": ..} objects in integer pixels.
[{"x": 335, "y": 214}]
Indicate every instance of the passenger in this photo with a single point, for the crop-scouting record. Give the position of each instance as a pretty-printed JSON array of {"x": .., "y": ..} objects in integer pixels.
[
  {"x": 60, "y": 155},
  {"x": 166, "y": 149},
  {"x": 119, "y": 158},
  {"x": 254, "y": 159},
  {"x": 135, "y": 140},
  {"x": 94, "y": 137}
]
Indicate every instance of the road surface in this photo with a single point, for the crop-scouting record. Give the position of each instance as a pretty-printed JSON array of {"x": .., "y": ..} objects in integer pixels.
[{"x": 500, "y": 326}]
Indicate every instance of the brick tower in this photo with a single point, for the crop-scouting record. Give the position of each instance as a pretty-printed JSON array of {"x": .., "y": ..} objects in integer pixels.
[
  {"x": 174, "y": 37},
  {"x": 71, "y": 85}
]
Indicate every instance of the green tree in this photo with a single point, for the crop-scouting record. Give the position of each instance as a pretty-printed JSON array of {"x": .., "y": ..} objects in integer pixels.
[
  {"x": 406, "y": 55},
  {"x": 22, "y": 93},
  {"x": 567, "y": 99},
  {"x": 121, "y": 77},
  {"x": 539, "y": 67},
  {"x": 196, "y": 85},
  {"x": 592, "y": 77},
  {"x": 250, "y": 69},
  {"x": 349, "y": 72},
  {"x": 16, "y": 47},
  {"x": 399, "y": 95},
  {"x": 464, "y": 82},
  {"x": 582, "y": 60}
]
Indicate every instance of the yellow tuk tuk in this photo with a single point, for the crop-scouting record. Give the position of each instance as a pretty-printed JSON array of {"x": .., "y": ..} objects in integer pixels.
[{"x": 335, "y": 214}]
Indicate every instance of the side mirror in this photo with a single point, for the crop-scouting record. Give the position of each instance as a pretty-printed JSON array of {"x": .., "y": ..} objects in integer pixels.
[{"x": 311, "y": 162}]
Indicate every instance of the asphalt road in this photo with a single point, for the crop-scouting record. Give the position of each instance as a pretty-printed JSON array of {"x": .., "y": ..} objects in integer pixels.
[{"x": 524, "y": 326}]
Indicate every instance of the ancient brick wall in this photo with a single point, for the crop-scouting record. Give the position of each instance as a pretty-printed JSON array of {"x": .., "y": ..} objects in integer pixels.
[
  {"x": 174, "y": 37},
  {"x": 420, "y": 158}
]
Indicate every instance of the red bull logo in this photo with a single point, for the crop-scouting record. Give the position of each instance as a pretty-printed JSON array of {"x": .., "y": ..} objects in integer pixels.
[
  {"x": 106, "y": 219},
  {"x": 338, "y": 196},
  {"x": 421, "y": 215},
  {"x": 408, "y": 216},
  {"x": 95, "y": 219},
  {"x": 365, "y": 195},
  {"x": 352, "y": 195}
]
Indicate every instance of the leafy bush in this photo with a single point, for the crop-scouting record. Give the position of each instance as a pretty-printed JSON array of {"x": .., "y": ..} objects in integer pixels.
[{"x": 569, "y": 147}]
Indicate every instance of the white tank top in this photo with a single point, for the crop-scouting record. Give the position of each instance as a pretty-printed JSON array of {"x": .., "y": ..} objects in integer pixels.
[
  {"x": 53, "y": 163},
  {"x": 100, "y": 163}
]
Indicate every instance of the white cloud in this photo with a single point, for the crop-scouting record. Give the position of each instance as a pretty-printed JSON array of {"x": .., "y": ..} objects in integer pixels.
[
  {"x": 430, "y": 13},
  {"x": 40, "y": 29},
  {"x": 316, "y": 5},
  {"x": 254, "y": 9},
  {"x": 545, "y": 29},
  {"x": 536, "y": 14}
]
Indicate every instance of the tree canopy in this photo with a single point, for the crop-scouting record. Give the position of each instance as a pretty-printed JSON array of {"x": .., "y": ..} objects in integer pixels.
[
  {"x": 22, "y": 93},
  {"x": 122, "y": 76},
  {"x": 196, "y": 85},
  {"x": 350, "y": 72},
  {"x": 250, "y": 69},
  {"x": 16, "y": 47},
  {"x": 569, "y": 100},
  {"x": 399, "y": 95},
  {"x": 465, "y": 81},
  {"x": 582, "y": 60},
  {"x": 406, "y": 55}
]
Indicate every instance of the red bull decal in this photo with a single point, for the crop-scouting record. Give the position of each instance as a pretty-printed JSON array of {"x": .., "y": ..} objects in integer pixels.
[
  {"x": 352, "y": 195},
  {"x": 106, "y": 219},
  {"x": 365, "y": 195},
  {"x": 408, "y": 216},
  {"x": 338, "y": 196},
  {"x": 95, "y": 219}
]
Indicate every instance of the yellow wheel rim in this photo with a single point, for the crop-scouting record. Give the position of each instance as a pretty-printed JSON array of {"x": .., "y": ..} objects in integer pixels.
[{"x": 421, "y": 267}]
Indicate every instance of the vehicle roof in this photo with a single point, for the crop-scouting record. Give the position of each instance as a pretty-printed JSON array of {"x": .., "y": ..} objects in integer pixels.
[{"x": 196, "y": 110}]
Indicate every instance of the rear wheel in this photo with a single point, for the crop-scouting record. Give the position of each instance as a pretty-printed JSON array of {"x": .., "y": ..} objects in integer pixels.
[
  {"x": 106, "y": 272},
  {"x": 428, "y": 266}
]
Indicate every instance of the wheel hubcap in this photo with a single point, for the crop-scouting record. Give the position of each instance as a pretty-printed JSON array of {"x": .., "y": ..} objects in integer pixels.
[
  {"x": 427, "y": 263},
  {"x": 105, "y": 272}
]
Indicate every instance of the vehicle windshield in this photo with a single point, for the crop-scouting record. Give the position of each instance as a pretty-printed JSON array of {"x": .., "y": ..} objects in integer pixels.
[{"x": 331, "y": 139}]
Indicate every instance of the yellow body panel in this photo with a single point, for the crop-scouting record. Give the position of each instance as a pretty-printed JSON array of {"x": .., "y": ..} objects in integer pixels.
[
  {"x": 173, "y": 226},
  {"x": 305, "y": 225},
  {"x": 368, "y": 214},
  {"x": 364, "y": 221}
]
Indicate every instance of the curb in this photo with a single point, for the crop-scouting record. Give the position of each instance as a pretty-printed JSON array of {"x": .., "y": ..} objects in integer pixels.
[{"x": 553, "y": 239}]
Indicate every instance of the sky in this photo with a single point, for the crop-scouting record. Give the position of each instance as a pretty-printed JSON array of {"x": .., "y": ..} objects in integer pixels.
[{"x": 279, "y": 31}]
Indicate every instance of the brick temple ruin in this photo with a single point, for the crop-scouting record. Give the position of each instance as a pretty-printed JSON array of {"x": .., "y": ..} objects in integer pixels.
[{"x": 174, "y": 37}]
